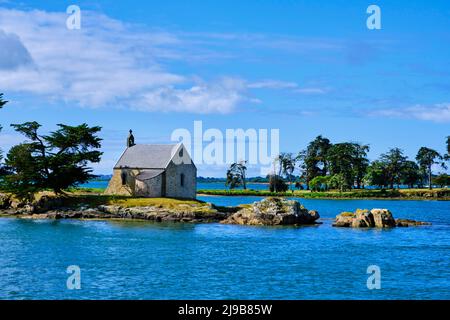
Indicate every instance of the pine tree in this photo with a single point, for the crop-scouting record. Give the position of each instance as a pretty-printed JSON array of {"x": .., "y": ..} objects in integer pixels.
[{"x": 56, "y": 161}]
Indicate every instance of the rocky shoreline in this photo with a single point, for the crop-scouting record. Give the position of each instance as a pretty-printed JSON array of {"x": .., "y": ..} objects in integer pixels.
[
  {"x": 149, "y": 213},
  {"x": 270, "y": 211},
  {"x": 117, "y": 212},
  {"x": 55, "y": 208}
]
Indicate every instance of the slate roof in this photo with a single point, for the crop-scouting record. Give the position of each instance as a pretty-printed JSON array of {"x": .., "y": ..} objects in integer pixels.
[{"x": 147, "y": 156}]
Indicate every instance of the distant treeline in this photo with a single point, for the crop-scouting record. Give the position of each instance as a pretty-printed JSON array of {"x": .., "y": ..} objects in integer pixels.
[
  {"x": 324, "y": 165},
  {"x": 407, "y": 194}
]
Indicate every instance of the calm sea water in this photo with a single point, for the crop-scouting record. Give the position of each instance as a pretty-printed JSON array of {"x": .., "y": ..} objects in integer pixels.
[{"x": 126, "y": 260}]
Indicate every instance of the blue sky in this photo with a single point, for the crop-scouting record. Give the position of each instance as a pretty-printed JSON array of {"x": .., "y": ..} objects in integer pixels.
[{"x": 304, "y": 67}]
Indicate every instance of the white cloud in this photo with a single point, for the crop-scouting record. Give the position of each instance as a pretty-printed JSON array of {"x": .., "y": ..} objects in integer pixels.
[
  {"x": 272, "y": 84},
  {"x": 311, "y": 90},
  {"x": 106, "y": 63},
  {"x": 436, "y": 113},
  {"x": 219, "y": 97},
  {"x": 109, "y": 63},
  {"x": 13, "y": 53},
  {"x": 285, "y": 43},
  {"x": 293, "y": 86}
]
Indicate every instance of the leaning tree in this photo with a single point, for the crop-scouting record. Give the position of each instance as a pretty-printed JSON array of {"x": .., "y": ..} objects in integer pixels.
[
  {"x": 55, "y": 161},
  {"x": 236, "y": 175},
  {"x": 287, "y": 165}
]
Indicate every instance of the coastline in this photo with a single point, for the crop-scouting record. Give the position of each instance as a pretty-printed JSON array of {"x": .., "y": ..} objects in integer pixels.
[
  {"x": 85, "y": 205},
  {"x": 268, "y": 211},
  {"x": 403, "y": 194},
  {"x": 425, "y": 194}
]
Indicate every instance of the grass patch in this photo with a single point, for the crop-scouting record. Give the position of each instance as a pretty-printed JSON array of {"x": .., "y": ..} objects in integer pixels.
[
  {"x": 347, "y": 214},
  {"x": 77, "y": 198},
  {"x": 95, "y": 200}
]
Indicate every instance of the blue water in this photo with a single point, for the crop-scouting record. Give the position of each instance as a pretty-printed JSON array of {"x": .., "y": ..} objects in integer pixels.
[
  {"x": 100, "y": 184},
  {"x": 138, "y": 260},
  {"x": 222, "y": 186}
]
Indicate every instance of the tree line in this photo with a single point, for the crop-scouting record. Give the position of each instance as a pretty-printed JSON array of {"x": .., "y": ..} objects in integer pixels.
[
  {"x": 343, "y": 166},
  {"x": 56, "y": 161}
]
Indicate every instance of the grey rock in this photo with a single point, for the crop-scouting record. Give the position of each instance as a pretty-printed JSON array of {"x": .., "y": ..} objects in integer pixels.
[
  {"x": 375, "y": 218},
  {"x": 5, "y": 201},
  {"x": 273, "y": 211},
  {"x": 383, "y": 218},
  {"x": 46, "y": 203},
  {"x": 410, "y": 223},
  {"x": 345, "y": 219}
]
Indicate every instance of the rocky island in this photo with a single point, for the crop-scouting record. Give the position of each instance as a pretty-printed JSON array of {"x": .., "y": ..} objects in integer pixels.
[
  {"x": 375, "y": 218},
  {"x": 273, "y": 211},
  {"x": 270, "y": 211},
  {"x": 110, "y": 207}
]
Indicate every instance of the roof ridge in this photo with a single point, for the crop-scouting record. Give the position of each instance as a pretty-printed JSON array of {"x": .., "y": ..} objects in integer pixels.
[
  {"x": 155, "y": 144},
  {"x": 148, "y": 156}
]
